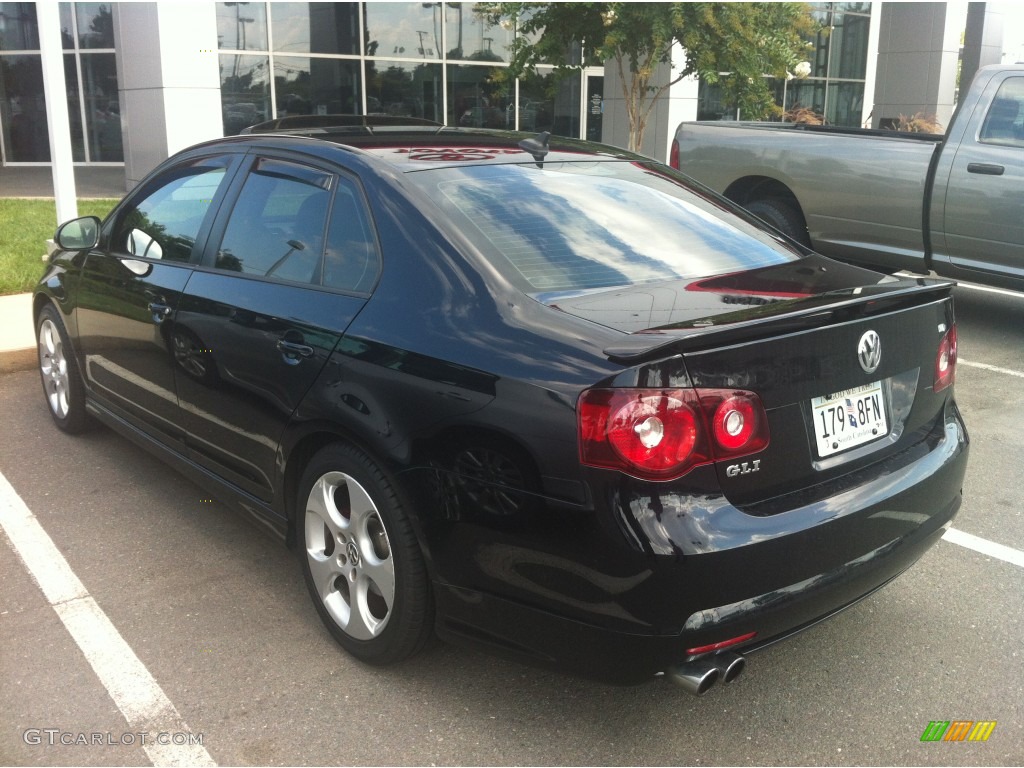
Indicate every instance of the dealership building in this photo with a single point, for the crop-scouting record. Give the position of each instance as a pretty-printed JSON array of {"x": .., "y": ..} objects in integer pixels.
[{"x": 143, "y": 80}]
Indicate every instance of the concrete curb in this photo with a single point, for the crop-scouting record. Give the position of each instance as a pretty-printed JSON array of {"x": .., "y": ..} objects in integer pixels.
[
  {"x": 17, "y": 336},
  {"x": 14, "y": 360}
]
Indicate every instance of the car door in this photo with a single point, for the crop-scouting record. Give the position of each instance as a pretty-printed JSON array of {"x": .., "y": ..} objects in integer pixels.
[
  {"x": 130, "y": 286},
  {"x": 290, "y": 264},
  {"x": 982, "y": 226}
]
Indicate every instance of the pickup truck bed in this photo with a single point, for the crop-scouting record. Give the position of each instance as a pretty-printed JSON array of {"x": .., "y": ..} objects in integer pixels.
[{"x": 951, "y": 204}]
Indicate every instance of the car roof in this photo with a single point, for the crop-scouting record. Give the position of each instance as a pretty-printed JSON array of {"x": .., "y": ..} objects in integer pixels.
[{"x": 427, "y": 146}]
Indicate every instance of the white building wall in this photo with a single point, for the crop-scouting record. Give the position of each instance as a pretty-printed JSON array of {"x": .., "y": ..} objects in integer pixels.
[
  {"x": 168, "y": 80},
  {"x": 918, "y": 52}
]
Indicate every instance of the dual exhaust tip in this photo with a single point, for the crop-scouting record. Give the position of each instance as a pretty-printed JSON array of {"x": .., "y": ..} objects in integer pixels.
[{"x": 699, "y": 676}]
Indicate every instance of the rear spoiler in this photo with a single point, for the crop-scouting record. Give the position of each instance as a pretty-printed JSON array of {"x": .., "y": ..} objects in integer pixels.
[{"x": 799, "y": 315}]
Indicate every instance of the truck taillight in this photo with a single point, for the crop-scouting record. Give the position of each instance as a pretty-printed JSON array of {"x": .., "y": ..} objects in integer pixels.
[
  {"x": 673, "y": 154},
  {"x": 945, "y": 360},
  {"x": 662, "y": 434}
]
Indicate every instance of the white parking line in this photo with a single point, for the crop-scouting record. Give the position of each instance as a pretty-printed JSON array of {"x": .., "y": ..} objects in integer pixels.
[
  {"x": 133, "y": 689},
  {"x": 985, "y": 547},
  {"x": 993, "y": 368}
]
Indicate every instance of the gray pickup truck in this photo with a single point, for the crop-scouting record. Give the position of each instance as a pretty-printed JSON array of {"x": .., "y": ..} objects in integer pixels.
[{"x": 950, "y": 204}]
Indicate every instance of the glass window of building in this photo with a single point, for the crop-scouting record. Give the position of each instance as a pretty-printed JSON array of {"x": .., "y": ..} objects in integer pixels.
[
  {"x": 23, "y": 109},
  {"x": 470, "y": 37},
  {"x": 244, "y": 90},
  {"x": 834, "y": 91},
  {"x": 242, "y": 26},
  {"x": 317, "y": 86},
  {"x": 404, "y": 30},
  {"x": 90, "y": 74},
  {"x": 95, "y": 23},
  {"x": 480, "y": 97},
  {"x": 440, "y": 61},
  {"x": 330, "y": 28},
  {"x": 404, "y": 89},
  {"x": 19, "y": 29}
]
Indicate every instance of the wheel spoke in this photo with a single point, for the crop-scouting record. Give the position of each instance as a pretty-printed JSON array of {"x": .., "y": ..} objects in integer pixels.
[
  {"x": 361, "y": 623},
  {"x": 361, "y": 507},
  {"x": 325, "y": 570},
  {"x": 382, "y": 574},
  {"x": 321, "y": 503}
]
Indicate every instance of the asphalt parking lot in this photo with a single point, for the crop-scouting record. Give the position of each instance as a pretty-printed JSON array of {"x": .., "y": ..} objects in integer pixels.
[{"x": 216, "y": 612}]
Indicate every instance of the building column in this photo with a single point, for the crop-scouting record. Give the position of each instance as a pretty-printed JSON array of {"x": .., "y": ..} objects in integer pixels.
[
  {"x": 168, "y": 80},
  {"x": 677, "y": 105},
  {"x": 983, "y": 40},
  {"x": 918, "y": 52}
]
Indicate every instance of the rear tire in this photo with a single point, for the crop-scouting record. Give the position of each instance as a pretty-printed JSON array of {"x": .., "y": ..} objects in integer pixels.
[
  {"x": 58, "y": 369},
  {"x": 783, "y": 217},
  {"x": 361, "y": 559}
]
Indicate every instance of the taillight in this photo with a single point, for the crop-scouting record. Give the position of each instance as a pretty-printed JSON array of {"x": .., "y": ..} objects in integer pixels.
[
  {"x": 662, "y": 434},
  {"x": 945, "y": 361},
  {"x": 673, "y": 154}
]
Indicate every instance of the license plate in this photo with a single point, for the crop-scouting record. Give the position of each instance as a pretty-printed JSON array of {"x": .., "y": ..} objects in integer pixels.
[{"x": 846, "y": 419}]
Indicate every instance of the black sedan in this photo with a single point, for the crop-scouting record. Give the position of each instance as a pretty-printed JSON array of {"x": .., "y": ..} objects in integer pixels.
[{"x": 547, "y": 397}]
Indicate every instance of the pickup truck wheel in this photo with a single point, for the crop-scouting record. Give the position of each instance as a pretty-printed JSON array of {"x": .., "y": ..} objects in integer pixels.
[{"x": 783, "y": 217}]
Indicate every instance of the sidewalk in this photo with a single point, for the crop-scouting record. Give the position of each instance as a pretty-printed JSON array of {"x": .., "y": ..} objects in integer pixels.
[{"x": 37, "y": 181}]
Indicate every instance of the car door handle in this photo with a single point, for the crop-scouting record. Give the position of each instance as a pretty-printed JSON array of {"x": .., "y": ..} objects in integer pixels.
[
  {"x": 292, "y": 351},
  {"x": 158, "y": 310},
  {"x": 987, "y": 169}
]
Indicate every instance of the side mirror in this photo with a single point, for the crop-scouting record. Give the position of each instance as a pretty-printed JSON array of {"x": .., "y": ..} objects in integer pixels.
[{"x": 78, "y": 234}]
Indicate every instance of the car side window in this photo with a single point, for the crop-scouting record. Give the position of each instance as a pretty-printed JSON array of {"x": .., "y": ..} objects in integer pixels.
[
  {"x": 1004, "y": 123},
  {"x": 165, "y": 222},
  {"x": 352, "y": 260},
  {"x": 277, "y": 225}
]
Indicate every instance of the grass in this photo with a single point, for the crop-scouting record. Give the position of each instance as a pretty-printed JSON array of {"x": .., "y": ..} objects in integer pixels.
[{"x": 25, "y": 226}]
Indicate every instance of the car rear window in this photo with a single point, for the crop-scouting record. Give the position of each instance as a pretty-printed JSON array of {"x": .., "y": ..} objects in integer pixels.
[{"x": 567, "y": 227}]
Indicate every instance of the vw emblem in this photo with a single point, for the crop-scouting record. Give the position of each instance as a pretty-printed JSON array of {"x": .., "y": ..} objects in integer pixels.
[{"x": 869, "y": 351}]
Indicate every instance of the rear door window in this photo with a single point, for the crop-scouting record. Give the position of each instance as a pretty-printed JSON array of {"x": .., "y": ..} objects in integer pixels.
[
  {"x": 301, "y": 224},
  {"x": 278, "y": 222}
]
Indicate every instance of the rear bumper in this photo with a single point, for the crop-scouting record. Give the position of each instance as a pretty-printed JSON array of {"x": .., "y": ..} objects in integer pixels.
[{"x": 727, "y": 573}]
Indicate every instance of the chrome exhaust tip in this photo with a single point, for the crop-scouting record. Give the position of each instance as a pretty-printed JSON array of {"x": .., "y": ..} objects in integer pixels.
[
  {"x": 730, "y": 665},
  {"x": 694, "y": 677}
]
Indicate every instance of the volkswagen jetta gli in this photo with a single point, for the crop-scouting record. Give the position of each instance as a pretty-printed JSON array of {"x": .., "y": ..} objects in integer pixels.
[{"x": 546, "y": 397}]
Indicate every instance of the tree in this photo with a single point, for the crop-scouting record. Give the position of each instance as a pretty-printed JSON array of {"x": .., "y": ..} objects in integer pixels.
[{"x": 744, "y": 40}]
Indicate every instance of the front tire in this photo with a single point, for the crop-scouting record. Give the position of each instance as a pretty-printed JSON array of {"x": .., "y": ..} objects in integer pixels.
[
  {"x": 58, "y": 369},
  {"x": 361, "y": 559}
]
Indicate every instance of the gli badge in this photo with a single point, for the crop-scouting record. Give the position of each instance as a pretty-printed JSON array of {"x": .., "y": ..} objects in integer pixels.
[{"x": 744, "y": 468}]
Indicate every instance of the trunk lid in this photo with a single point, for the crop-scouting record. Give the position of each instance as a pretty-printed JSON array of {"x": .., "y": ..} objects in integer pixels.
[{"x": 794, "y": 334}]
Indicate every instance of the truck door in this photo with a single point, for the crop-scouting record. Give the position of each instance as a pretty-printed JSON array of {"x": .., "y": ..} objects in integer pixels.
[{"x": 981, "y": 225}]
